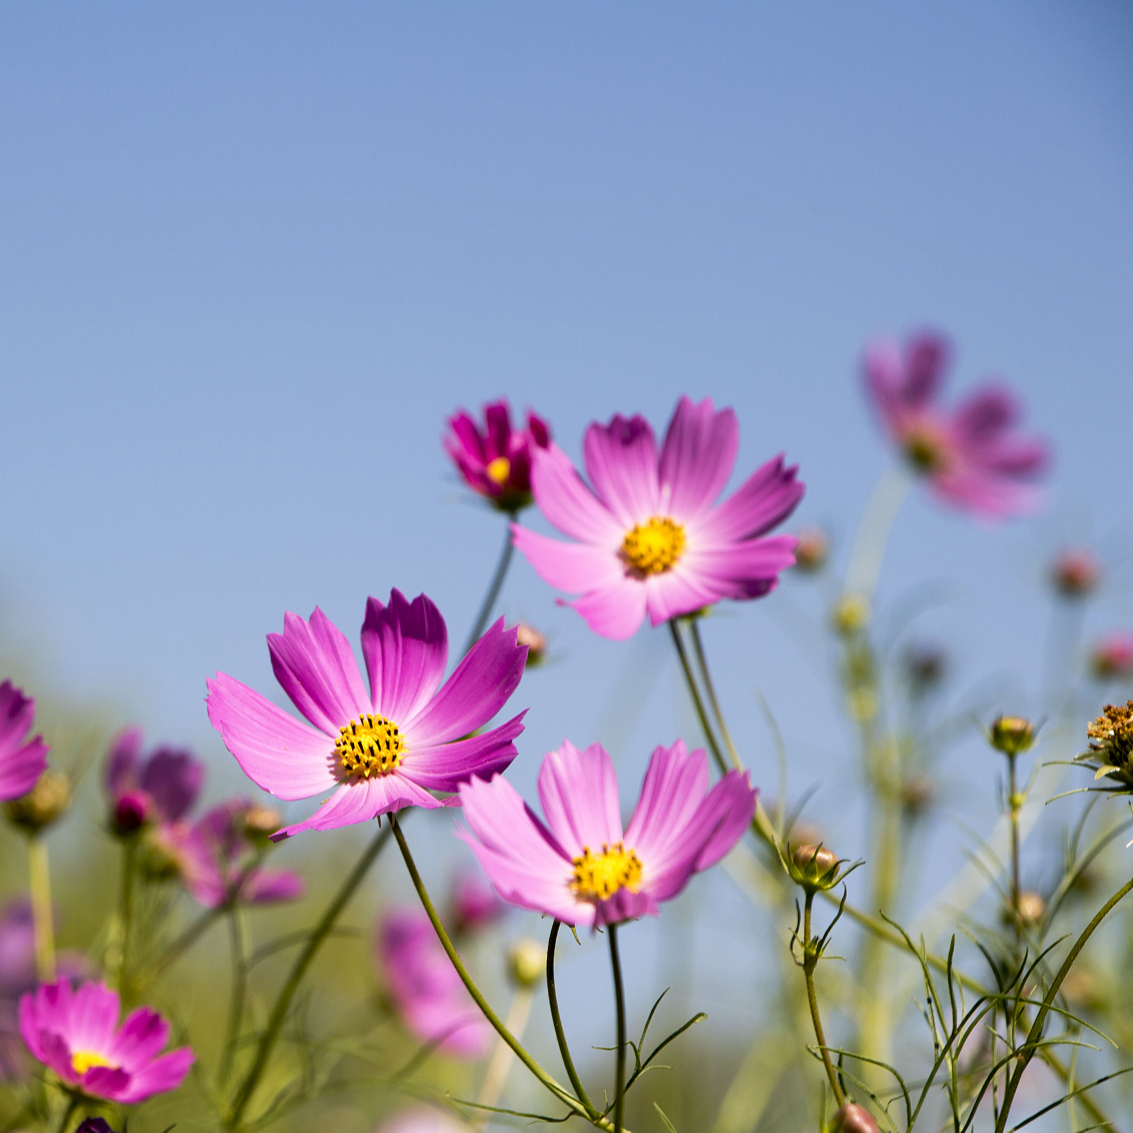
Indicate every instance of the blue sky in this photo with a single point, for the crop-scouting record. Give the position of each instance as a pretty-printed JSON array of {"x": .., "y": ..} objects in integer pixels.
[{"x": 251, "y": 256}]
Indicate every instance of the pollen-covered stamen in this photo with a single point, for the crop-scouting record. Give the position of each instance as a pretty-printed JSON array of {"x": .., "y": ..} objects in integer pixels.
[
  {"x": 654, "y": 546},
  {"x": 597, "y": 877},
  {"x": 84, "y": 1060},
  {"x": 1111, "y": 735},
  {"x": 499, "y": 470},
  {"x": 369, "y": 746}
]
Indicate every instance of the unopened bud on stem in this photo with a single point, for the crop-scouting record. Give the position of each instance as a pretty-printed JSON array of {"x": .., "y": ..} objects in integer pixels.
[
  {"x": 1011, "y": 734},
  {"x": 43, "y": 804},
  {"x": 851, "y": 1118},
  {"x": 527, "y": 962}
]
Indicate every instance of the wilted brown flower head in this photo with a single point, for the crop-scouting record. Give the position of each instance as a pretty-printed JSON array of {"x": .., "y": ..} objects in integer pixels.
[{"x": 1111, "y": 742}]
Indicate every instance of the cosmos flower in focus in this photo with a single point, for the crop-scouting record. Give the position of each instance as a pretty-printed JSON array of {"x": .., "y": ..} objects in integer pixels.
[
  {"x": 973, "y": 456},
  {"x": 385, "y": 749},
  {"x": 651, "y": 538},
  {"x": 76, "y": 1034},
  {"x": 1112, "y": 656},
  {"x": 160, "y": 788},
  {"x": 495, "y": 461},
  {"x": 21, "y": 763},
  {"x": 581, "y": 867},
  {"x": 425, "y": 988}
]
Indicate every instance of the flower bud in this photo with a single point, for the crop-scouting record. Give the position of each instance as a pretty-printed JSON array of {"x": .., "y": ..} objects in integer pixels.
[
  {"x": 261, "y": 822},
  {"x": 850, "y": 614},
  {"x": 917, "y": 794},
  {"x": 132, "y": 811},
  {"x": 1032, "y": 906},
  {"x": 851, "y": 1118},
  {"x": 1075, "y": 572},
  {"x": 924, "y": 668},
  {"x": 814, "y": 867},
  {"x": 1112, "y": 657},
  {"x": 95, "y": 1125},
  {"x": 527, "y": 962},
  {"x": 1011, "y": 734},
  {"x": 536, "y": 644},
  {"x": 43, "y": 804},
  {"x": 812, "y": 550}
]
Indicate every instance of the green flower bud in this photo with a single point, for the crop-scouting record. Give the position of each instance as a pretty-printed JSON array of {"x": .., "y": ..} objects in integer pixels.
[
  {"x": 1011, "y": 734},
  {"x": 43, "y": 804},
  {"x": 527, "y": 962}
]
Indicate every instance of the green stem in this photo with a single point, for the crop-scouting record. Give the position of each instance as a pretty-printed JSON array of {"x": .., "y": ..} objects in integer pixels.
[
  {"x": 873, "y": 532},
  {"x": 556, "y": 1019},
  {"x": 1014, "y": 801},
  {"x": 702, "y": 661},
  {"x": 810, "y": 962},
  {"x": 239, "y": 940},
  {"x": 1030, "y": 1046},
  {"x": 298, "y": 971},
  {"x": 620, "y": 1003},
  {"x": 68, "y": 1113},
  {"x": 560, "y": 1092},
  {"x": 493, "y": 592},
  {"x": 39, "y": 881},
  {"x": 128, "y": 871}
]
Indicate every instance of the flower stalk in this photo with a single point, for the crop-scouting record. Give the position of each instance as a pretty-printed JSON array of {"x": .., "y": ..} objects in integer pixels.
[
  {"x": 811, "y": 955},
  {"x": 39, "y": 882},
  {"x": 620, "y": 1005},
  {"x": 557, "y": 1022},
  {"x": 494, "y": 588}
]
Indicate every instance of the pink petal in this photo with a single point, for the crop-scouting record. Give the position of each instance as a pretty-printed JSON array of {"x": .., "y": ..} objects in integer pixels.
[
  {"x": 267, "y": 886},
  {"x": 984, "y": 414},
  {"x": 746, "y": 569},
  {"x": 615, "y": 611},
  {"x": 94, "y": 1018},
  {"x": 119, "y": 773},
  {"x": 276, "y": 751},
  {"x": 579, "y": 793},
  {"x": 106, "y": 1082},
  {"x": 675, "y": 785},
  {"x": 315, "y": 665},
  {"x": 444, "y": 767},
  {"x": 17, "y": 714},
  {"x": 360, "y": 802},
  {"x": 697, "y": 457},
  {"x": 143, "y": 1035},
  {"x": 761, "y": 502},
  {"x": 160, "y": 1076},
  {"x": 1014, "y": 456},
  {"x": 406, "y": 651},
  {"x": 568, "y": 503},
  {"x": 173, "y": 779},
  {"x": 21, "y": 767},
  {"x": 478, "y": 688},
  {"x": 679, "y": 591},
  {"x": 621, "y": 461},
  {"x": 573, "y": 567}
]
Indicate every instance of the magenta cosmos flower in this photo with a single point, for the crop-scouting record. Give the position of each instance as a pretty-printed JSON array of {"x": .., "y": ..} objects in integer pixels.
[
  {"x": 1112, "y": 656},
  {"x": 973, "y": 456},
  {"x": 581, "y": 867},
  {"x": 76, "y": 1034},
  {"x": 21, "y": 764},
  {"x": 649, "y": 536},
  {"x": 381, "y": 750},
  {"x": 496, "y": 461},
  {"x": 424, "y": 987},
  {"x": 161, "y": 787}
]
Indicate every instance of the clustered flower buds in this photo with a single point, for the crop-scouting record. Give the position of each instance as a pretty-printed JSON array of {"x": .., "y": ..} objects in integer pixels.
[{"x": 1011, "y": 734}]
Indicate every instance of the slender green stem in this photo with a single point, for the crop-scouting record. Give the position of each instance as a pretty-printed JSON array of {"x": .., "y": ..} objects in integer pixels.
[
  {"x": 873, "y": 531},
  {"x": 129, "y": 853},
  {"x": 810, "y": 962},
  {"x": 68, "y": 1113},
  {"x": 620, "y": 1003},
  {"x": 702, "y": 661},
  {"x": 1030, "y": 1046},
  {"x": 1014, "y": 802},
  {"x": 556, "y": 1019},
  {"x": 493, "y": 591},
  {"x": 239, "y": 940},
  {"x": 559, "y": 1091},
  {"x": 39, "y": 881},
  {"x": 298, "y": 971}
]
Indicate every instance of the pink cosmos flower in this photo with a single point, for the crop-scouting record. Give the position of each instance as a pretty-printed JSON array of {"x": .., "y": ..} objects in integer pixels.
[
  {"x": 474, "y": 904},
  {"x": 21, "y": 764},
  {"x": 649, "y": 536},
  {"x": 1112, "y": 657},
  {"x": 973, "y": 456},
  {"x": 496, "y": 461},
  {"x": 217, "y": 870},
  {"x": 381, "y": 750},
  {"x": 581, "y": 867},
  {"x": 162, "y": 787},
  {"x": 76, "y": 1034},
  {"x": 425, "y": 989}
]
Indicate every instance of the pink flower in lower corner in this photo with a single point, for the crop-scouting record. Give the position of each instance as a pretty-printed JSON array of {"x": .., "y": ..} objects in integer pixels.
[
  {"x": 21, "y": 763},
  {"x": 651, "y": 538},
  {"x": 580, "y": 866},
  {"x": 973, "y": 456},
  {"x": 383, "y": 749},
  {"x": 76, "y": 1034},
  {"x": 425, "y": 988}
]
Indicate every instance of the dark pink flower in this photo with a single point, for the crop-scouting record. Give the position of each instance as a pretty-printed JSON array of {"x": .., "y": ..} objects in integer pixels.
[
  {"x": 1112, "y": 656},
  {"x": 973, "y": 456},
  {"x": 425, "y": 989},
  {"x": 496, "y": 461},
  {"x": 21, "y": 763},
  {"x": 651, "y": 538},
  {"x": 581, "y": 867},
  {"x": 76, "y": 1034},
  {"x": 162, "y": 787},
  {"x": 474, "y": 904},
  {"x": 380, "y": 750}
]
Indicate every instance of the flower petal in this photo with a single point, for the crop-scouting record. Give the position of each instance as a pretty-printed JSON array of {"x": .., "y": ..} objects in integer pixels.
[
  {"x": 315, "y": 665},
  {"x": 276, "y": 751},
  {"x": 573, "y": 567},
  {"x": 679, "y": 591},
  {"x": 142, "y": 1037},
  {"x": 675, "y": 785},
  {"x": 266, "y": 886},
  {"x": 478, "y": 688},
  {"x": 173, "y": 780},
  {"x": 17, "y": 714},
  {"x": 621, "y": 461},
  {"x": 360, "y": 802},
  {"x": 697, "y": 457},
  {"x": 747, "y": 569},
  {"x": 20, "y": 768},
  {"x": 763, "y": 500},
  {"x": 160, "y": 1076},
  {"x": 579, "y": 793},
  {"x": 93, "y": 1018},
  {"x": 568, "y": 503},
  {"x": 444, "y": 767},
  {"x": 120, "y": 771},
  {"x": 406, "y": 649},
  {"x": 615, "y": 611}
]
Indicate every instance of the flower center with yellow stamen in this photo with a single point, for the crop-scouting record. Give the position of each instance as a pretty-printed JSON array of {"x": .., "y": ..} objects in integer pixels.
[
  {"x": 1111, "y": 735},
  {"x": 369, "y": 746},
  {"x": 499, "y": 470},
  {"x": 924, "y": 450},
  {"x": 84, "y": 1060},
  {"x": 654, "y": 546},
  {"x": 598, "y": 877}
]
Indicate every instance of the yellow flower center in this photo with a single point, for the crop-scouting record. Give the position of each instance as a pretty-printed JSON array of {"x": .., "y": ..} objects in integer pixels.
[
  {"x": 925, "y": 451},
  {"x": 368, "y": 746},
  {"x": 499, "y": 470},
  {"x": 599, "y": 876},
  {"x": 84, "y": 1060},
  {"x": 654, "y": 546}
]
